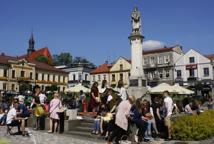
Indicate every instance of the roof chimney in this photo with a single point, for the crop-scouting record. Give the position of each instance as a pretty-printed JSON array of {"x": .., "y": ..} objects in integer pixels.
[{"x": 3, "y": 54}]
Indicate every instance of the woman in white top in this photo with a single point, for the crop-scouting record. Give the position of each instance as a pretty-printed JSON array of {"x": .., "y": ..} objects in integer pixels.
[{"x": 121, "y": 90}]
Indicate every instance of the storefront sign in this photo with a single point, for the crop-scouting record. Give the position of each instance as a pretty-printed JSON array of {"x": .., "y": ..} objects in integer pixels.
[{"x": 193, "y": 66}]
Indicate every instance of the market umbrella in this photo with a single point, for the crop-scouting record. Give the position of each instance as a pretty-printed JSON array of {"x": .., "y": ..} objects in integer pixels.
[
  {"x": 78, "y": 88},
  {"x": 161, "y": 88},
  {"x": 182, "y": 90}
]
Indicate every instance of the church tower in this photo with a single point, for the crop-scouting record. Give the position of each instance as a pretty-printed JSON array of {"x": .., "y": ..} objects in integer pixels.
[{"x": 31, "y": 45}]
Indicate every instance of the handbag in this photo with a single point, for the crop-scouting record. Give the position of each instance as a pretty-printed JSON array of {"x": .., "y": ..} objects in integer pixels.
[
  {"x": 39, "y": 111},
  {"x": 98, "y": 99}
]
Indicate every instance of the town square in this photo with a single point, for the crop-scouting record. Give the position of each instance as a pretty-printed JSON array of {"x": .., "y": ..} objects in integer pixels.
[{"x": 107, "y": 72}]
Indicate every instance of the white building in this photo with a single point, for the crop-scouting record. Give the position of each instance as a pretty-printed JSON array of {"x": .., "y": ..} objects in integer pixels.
[
  {"x": 78, "y": 73},
  {"x": 195, "y": 70}
]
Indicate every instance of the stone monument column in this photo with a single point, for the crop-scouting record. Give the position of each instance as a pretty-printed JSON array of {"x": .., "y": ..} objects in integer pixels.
[{"x": 137, "y": 85}]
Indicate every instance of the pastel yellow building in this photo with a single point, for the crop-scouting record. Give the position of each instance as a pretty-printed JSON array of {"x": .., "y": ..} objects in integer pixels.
[{"x": 120, "y": 70}]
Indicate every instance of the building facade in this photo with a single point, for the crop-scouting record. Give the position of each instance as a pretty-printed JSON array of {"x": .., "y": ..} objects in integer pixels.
[
  {"x": 120, "y": 70},
  {"x": 101, "y": 73},
  {"x": 159, "y": 64},
  {"x": 17, "y": 74},
  {"x": 195, "y": 70},
  {"x": 24, "y": 72},
  {"x": 78, "y": 73}
]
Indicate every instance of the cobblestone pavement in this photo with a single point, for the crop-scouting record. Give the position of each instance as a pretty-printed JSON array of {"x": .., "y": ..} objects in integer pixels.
[{"x": 41, "y": 137}]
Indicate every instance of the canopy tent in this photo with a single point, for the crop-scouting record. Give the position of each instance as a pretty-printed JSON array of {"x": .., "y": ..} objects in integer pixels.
[
  {"x": 78, "y": 88},
  {"x": 161, "y": 88},
  {"x": 172, "y": 89},
  {"x": 182, "y": 90}
]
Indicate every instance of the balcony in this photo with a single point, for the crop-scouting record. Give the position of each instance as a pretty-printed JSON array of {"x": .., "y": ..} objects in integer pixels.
[{"x": 24, "y": 79}]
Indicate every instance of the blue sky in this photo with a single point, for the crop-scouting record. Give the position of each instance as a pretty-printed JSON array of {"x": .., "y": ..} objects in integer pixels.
[{"x": 98, "y": 29}]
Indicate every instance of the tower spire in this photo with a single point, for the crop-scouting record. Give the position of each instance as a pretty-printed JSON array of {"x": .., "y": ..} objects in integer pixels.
[{"x": 31, "y": 44}]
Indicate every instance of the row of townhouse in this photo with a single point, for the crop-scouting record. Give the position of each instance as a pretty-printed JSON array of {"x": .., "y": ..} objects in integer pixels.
[
  {"x": 26, "y": 71},
  {"x": 169, "y": 65}
]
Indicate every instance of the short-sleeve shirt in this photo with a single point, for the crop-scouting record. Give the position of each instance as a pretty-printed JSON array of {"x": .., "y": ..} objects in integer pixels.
[
  {"x": 11, "y": 114},
  {"x": 169, "y": 105}
]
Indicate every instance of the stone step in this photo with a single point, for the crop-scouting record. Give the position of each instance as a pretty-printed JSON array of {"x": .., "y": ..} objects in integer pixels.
[
  {"x": 83, "y": 124},
  {"x": 81, "y": 134},
  {"x": 83, "y": 129}
]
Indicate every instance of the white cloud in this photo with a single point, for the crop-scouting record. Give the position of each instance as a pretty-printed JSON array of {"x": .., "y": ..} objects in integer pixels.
[{"x": 152, "y": 44}]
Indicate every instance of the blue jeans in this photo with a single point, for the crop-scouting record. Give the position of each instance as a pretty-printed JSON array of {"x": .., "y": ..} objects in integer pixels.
[
  {"x": 96, "y": 126},
  {"x": 3, "y": 119},
  {"x": 148, "y": 132}
]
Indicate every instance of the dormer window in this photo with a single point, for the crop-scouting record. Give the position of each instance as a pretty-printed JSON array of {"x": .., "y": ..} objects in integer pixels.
[{"x": 191, "y": 60}]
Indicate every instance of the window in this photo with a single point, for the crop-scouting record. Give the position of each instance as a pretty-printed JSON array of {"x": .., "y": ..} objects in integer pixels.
[
  {"x": 121, "y": 67},
  {"x": 58, "y": 78},
  {"x": 146, "y": 61},
  {"x": 104, "y": 77},
  {"x": 113, "y": 77},
  {"x": 160, "y": 60},
  {"x": 80, "y": 77},
  {"x": 179, "y": 73},
  {"x": 99, "y": 78},
  {"x": 166, "y": 59},
  {"x": 129, "y": 74},
  {"x": 31, "y": 75},
  {"x": 13, "y": 87},
  {"x": 191, "y": 60},
  {"x": 5, "y": 73},
  {"x": 37, "y": 76},
  {"x": 167, "y": 73},
  {"x": 86, "y": 77},
  {"x": 43, "y": 76},
  {"x": 48, "y": 77},
  {"x": 206, "y": 71},
  {"x": 53, "y": 78},
  {"x": 4, "y": 86},
  {"x": 121, "y": 76},
  {"x": 63, "y": 79},
  {"x": 152, "y": 60},
  {"x": 191, "y": 73},
  {"x": 74, "y": 77},
  {"x": 13, "y": 73},
  {"x": 93, "y": 77},
  {"x": 22, "y": 73},
  {"x": 161, "y": 74}
]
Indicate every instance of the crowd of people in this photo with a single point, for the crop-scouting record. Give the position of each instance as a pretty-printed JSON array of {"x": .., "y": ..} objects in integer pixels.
[
  {"x": 118, "y": 114},
  {"x": 16, "y": 111}
]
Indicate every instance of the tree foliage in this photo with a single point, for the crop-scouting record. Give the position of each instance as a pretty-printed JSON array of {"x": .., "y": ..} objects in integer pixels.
[
  {"x": 42, "y": 59},
  {"x": 67, "y": 59},
  {"x": 64, "y": 58}
]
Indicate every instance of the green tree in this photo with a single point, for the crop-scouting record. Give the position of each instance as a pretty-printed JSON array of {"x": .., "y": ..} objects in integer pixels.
[
  {"x": 64, "y": 58},
  {"x": 42, "y": 59},
  {"x": 83, "y": 61}
]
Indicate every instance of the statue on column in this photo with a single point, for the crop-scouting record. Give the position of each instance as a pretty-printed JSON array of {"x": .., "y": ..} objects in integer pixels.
[{"x": 136, "y": 21}]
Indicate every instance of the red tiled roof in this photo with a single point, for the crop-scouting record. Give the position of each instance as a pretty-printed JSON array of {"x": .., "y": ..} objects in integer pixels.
[
  {"x": 160, "y": 50},
  {"x": 43, "y": 51},
  {"x": 4, "y": 59},
  {"x": 211, "y": 56},
  {"x": 104, "y": 68},
  {"x": 46, "y": 67},
  {"x": 38, "y": 65}
]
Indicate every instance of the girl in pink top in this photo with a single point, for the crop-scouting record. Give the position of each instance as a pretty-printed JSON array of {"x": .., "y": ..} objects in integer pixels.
[{"x": 55, "y": 105}]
